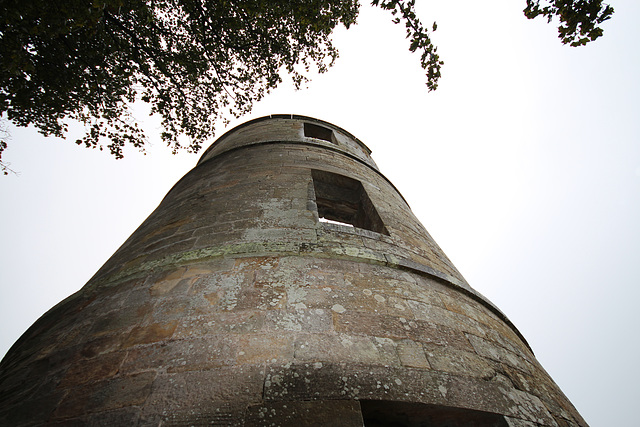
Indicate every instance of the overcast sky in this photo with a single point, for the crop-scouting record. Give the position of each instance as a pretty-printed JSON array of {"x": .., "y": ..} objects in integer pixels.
[{"x": 524, "y": 166}]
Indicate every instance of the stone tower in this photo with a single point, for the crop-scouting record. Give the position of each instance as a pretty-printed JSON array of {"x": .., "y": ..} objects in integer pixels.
[{"x": 283, "y": 281}]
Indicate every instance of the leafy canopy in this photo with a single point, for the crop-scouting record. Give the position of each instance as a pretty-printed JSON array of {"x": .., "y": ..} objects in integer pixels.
[
  {"x": 192, "y": 61},
  {"x": 579, "y": 19}
]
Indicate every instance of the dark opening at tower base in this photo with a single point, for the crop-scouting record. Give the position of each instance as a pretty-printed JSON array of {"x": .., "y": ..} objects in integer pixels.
[{"x": 381, "y": 413}]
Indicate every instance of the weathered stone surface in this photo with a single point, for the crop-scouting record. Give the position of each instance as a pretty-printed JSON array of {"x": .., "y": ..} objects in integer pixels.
[
  {"x": 515, "y": 422},
  {"x": 321, "y": 413},
  {"x": 412, "y": 354},
  {"x": 150, "y": 333},
  {"x": 102, "y": 344},
  {"x": 344, "y": 348},
  {"x": 370, "y": 324},
  {"x": 120, "y": 320},
  {"x": 445, "y": 318},
  {"x": 455, "y": 361},
  {"x": 313, "y": 320},
  {"x": 199, "y": 395},
  {"x": 233, "y": 304},
  {"x": 430, "y": 333},
  {"x": 339, "y": 381},
  {"x": 29, "y": 411},
  {"x": 118, "y": 417},
  {"x": 495, "y": 352},
  {"x": 181, "y": 355},
  {"x": 106, "y": 395},
  {"x": 95, "y": 369},
  {"x": 259, "y": 348}
]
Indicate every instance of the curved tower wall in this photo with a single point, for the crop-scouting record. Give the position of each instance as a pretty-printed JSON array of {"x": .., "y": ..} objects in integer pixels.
[{"x": 233, "y": 303}]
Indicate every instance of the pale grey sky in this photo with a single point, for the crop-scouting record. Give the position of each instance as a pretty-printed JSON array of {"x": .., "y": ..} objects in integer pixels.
[{"x": 524, "y": 166}]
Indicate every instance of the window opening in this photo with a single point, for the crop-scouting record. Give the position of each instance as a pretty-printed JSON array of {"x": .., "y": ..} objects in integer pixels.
[
  {"x": 343, "y": 200},
  {"x": 379, "y": 413},
  {"x": 319, "y": 132}
]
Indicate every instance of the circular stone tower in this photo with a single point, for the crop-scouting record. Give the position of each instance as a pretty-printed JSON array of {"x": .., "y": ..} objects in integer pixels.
[{"x": 283, "y": 281}]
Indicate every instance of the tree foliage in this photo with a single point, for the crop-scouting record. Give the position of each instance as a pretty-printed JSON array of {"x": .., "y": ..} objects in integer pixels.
[
  {"x": 579, "y": 19},
  {"x": 418, "y": 37},
  {"x": 193, "y": 61}
]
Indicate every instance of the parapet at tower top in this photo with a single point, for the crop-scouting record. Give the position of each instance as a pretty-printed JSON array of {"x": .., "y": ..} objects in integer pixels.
[{"x": 290, "y": 128}]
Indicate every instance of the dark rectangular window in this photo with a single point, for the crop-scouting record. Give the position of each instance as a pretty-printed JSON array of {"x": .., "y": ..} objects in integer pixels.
[
  {"x": 318, "y": 132},
  {"x": 379, "y": 413},
  {"x": 344, "y": 200}
]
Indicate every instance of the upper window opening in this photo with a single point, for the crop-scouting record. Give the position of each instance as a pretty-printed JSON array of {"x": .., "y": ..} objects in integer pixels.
[
  {"x": 343, "y": 200},
  {"x": 319, "y": 132}
]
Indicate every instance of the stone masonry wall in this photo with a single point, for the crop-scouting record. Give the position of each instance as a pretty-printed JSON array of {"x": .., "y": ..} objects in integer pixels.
[{"x": 233, "y": 305}]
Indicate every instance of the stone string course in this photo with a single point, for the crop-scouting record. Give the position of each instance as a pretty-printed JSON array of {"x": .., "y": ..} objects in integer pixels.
[{"x": 232, "y": 305}]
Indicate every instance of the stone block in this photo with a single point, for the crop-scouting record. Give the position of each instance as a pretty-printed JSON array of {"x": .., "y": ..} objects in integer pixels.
[
  {"x": 38, "y": 378},
  {"x": 171, "y": 287},
  {"x": 215, "y": 240},
  {"x": 454, "y": 361},
  {"x": 546, "y": 390},
  {"x": 217, "y": 322},
  {"x": 30, "y": 411},
  {"x": 469, "y": 392},
  {"x": 70, "y": 422},
  {"x": 320, "y": 297},
  {"x": 412, "y": 354},
  {"x": 182, "y": 355},
  {"x": 311, "y": 320},
  {"x": 118, "y": 417},
  {"x": 120, "y": 321},
  {"x": 444, "y": 317},
  {"x": 110, "y": 297},
  {"x": 264, "y": 348},
  {"x": 432, "y": 314},
  {"x": 110, "y": 394},
  {"x": 495, "y": 352},
  {"x": 264, "y": 297},
  {"x": 173, "y": 309},
  {"x": 150, "y": 334},
  {"x": 312, "y": 413},
  {"x": 214, "y": 413},
  {"x": 101, "y": 345},
  {"x": 307, "y": 235},
  {"x": 99, "y": 368},
  {"x": 176, "y": 240},
  {"x": 343, "y": 348},
  {"x": 505, "y": 337},
  {"x": 348, "y": 381},
  {"x": 181, "y": 244},
  {"x": 431, "y": 333},
  {"x": 516, "y": 422},
  {"x": 198, "y": 394},
  {"x": 369, "y": 324},
  {"x": 162, "y": 231}
]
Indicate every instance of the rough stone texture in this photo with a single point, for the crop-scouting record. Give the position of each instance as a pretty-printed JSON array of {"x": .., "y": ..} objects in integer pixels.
[
  {"x": 321, "y": 413},
  {"x": 232, "y": 304}
]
